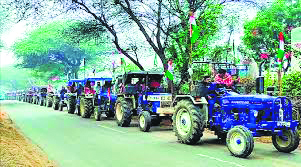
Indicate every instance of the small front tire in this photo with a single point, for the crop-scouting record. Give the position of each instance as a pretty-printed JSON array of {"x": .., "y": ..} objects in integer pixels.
[
  {"x": 145, "y": 121},
  {"x": 240, "y": 141},
  {"x": 288, "y": 142}
]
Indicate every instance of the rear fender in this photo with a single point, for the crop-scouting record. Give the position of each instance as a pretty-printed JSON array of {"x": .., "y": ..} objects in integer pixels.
[{"x": 203, "y": 104}]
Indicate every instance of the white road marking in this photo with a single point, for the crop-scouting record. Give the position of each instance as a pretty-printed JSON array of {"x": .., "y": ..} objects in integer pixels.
[
  {"x": 111, "y": 129},
  {"x": 220, "y": 160}
]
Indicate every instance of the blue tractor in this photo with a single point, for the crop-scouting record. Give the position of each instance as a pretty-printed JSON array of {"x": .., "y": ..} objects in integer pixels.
[
  {"x": 235, "y": 118},
  {"x": 73, "y": 95},
  {"x": 141, "y": 94},
  {"x": 104, "y": 99},
  {"x": 42, "y": 94}
]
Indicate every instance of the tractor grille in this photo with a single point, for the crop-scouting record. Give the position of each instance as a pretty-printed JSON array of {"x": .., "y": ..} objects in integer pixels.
[{"x": 165, "y": 104}]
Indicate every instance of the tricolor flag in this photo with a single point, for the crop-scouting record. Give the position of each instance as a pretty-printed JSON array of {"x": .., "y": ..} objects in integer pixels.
[
  {"x": 281, "y": 52},
  {"x": 193, "y": 29}
]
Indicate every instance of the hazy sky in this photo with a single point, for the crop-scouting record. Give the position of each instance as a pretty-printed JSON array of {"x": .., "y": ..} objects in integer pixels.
[{"x": 8, "y": 37}]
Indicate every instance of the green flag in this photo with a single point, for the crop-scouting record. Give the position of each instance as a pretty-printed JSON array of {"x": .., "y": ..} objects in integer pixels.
[
  {"x": 168, "y": 75},
  {"x": 194, "y": 29},
  {"x": 155, "y": 61}
]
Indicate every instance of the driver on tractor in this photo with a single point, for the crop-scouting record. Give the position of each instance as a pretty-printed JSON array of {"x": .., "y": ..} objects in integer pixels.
[
  {"x": 223, "y": 78},
  {"x": 88, "y": 88}
]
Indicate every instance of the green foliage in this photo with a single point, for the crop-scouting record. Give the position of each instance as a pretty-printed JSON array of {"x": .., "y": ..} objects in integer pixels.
[
  {"x": 292, "y": 83},
  {"x": 180, "y": 41},
  {"x": 184, "y": 88},
  {"x": 200, "y": 71},
  {"x": 58, "y": 48},
  {"x": 263, "y": 30}
]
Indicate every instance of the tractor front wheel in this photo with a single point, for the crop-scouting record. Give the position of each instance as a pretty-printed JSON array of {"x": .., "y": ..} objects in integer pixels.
[
  {"x": 288, "y": 142},
  {"x": 188, "y": 121},
  {"x": 97, "y": 113},
  {"x": 240, "y": 141},
  {"x": 123, "y": 112},
  {"x": 145, "y": 121}
]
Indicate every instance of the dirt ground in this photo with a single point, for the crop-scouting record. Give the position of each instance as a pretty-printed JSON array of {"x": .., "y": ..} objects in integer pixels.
[{"x": 16, "y": 150}]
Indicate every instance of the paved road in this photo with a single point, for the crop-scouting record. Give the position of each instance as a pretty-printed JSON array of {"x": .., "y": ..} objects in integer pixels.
[{"x": 72, "y": 141}]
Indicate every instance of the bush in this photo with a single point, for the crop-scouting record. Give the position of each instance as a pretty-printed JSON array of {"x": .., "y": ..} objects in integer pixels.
[
  {"x": 292, "y": 84},
  {"x": 184, "y": 89}
]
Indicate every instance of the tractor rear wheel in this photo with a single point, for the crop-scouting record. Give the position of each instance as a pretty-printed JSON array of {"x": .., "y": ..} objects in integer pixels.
[
  {"x": 86, "y": 107},
  {"x": 288, "y": 142},
  {"x": 240, "y": 141},
  {"x": 72, "y": 104},
  {"x": 188, "y": 122},
  {"x": 145, "y": 121},
  {"x": 49, "y": 101},
  {"x": 123, "y": 112},
  {"x": 56, "y": 103}
]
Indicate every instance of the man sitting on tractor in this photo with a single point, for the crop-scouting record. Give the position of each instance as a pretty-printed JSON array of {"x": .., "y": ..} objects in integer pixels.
[
  {"x": 223, "y": 78},
  {"x": 50, "y": 88},
  {"x": 88, "y": 88},
  {"x": 62, "y": 93}
]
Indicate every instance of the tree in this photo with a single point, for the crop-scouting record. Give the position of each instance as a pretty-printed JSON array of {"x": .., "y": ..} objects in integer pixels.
[
  {"x": 48, "y": 48},
  {"x": 262, "y": 32}
]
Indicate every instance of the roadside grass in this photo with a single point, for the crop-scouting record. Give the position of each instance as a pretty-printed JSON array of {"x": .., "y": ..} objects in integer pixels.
[{"x": 17, "y": 150}]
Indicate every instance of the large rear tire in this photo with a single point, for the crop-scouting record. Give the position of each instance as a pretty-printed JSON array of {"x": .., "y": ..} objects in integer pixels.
[
  {"x": 123, "y": 112},
  {"x": 188, "y": 122},
  {"x": 145, "y": 121},
  {"x": 72, "y": 104},
  {"x": 86, "y": 107},
  {"x": 288, "y": 142},
  {"x": 240, "y": 141},
  {"x": 49, "y": 101}
]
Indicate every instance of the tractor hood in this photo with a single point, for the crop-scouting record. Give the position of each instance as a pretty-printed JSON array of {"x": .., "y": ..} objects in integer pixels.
[{"x": 247, "y": 99}]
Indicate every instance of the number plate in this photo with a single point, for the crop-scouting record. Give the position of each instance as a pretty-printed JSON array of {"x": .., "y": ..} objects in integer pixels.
[{"x": 287, "y": 124}]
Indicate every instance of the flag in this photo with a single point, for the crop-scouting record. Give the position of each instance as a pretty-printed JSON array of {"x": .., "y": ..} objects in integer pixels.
[
  {"x": 168, "y": 75},
  {"x": 193, "y": 28},
  {"x": 123, "y": 64},
  {"x": 155, "y": 61},
  {"x": 281, "y": 51}
]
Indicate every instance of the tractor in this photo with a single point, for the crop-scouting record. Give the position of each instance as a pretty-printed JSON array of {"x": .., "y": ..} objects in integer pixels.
[
  {"x": 42, "y": 93},
  {"x": 141, "y": 94},
  {"x": 235, "y": 118},
  {"x": 56, "y": 99},
  {"x": 86, "y": 99},
  {"x": 105, "y": 98},
  {"x": 49, "y": 96},
  {"x": 73, "y": 100},
  {"x": 29, "y": 95},
  {"x": 35, "y": 95}
]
